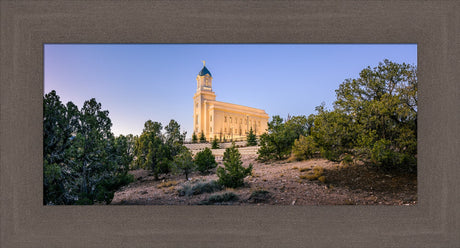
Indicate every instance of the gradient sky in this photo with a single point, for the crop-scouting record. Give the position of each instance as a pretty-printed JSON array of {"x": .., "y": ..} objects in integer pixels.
[{"x": 138, "y": 82}]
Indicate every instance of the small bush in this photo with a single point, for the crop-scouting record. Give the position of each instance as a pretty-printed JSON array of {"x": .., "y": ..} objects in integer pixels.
[
  {"x": 259, "y": 196},
  {"x": 314, "y": 174},
  {"x": 322, "y": 179},
  {"x": 205, "y": 161},
  {"x": 304, "y": 148},
  {"x": 225, "y": 197},
  {"x": 200, "y": 188},
  {"x": 387, "y": 158},
  {"x": 185, "y": 190}
]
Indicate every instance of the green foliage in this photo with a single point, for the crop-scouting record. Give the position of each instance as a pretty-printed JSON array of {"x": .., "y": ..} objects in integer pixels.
[
  {"x": 233, "y": 174},
  {"x": 205, "y": 161},
  {"x": 374, "y": 118},
  {"x": 384, "y": 155},
  {"x": 333, "y": 133},
  {"x": 202, "y": 137},
  {"x": 277, "y": 143},
  {"x": 194, "y": 138},
  {"x": 83, "y": 161},
  {"x": 215, "y": 144},
  {"x": 183, "y": 162},
  {"x": 251, "y": 138},
  {"x": 304, "y": 148},
  {"x": 154, "y": 150}
]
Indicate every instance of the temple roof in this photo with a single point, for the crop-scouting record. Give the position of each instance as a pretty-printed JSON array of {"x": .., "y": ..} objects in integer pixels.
[{"x": 204, "y": 71}]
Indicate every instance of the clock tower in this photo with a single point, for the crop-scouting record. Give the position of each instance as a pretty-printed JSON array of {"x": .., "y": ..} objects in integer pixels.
[{"x": 203, "y": 94}]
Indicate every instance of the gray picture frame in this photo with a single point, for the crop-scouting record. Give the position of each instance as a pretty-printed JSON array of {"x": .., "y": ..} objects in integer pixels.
[{"x": 26, "y": 25}]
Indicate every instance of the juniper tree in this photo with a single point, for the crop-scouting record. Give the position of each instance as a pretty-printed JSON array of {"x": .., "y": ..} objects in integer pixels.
[{"x": 205, "y": 161}]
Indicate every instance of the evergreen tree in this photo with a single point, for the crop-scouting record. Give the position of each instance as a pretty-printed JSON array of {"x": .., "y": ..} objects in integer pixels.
[
  {"x": 277, "y": 142},
  {"x": 251, "y": 138},
  {"x": 215, "y": 144},
  {"x": 205, "y": 161},
  {"x": 194, "y": 138},
  {"x": 233, "y": 174},
  {"x": 202, "y": 137},
  {"x": 83, "y": 161},
  {"x": 183, "y": 162}
]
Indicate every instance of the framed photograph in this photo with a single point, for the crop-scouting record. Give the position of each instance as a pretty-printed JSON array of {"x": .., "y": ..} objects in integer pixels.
[{"x": 28, "y": 29}]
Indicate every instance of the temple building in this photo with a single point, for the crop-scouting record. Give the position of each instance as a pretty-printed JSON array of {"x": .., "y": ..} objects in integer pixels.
[{"x": 224, "y": 121}]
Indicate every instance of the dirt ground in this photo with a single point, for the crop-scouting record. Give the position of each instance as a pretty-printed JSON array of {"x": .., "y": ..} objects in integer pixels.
[{"x": 284, "y": 183}]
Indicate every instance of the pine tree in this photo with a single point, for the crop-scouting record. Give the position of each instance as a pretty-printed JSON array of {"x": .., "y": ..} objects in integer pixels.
[
  {"x": 252, "y": 139},
  {"x": 233, "y": 174},
  {"x": 194, "y": 138},
  {"x": 215, "y": 145},
  {"x": 202, "y": 137}
]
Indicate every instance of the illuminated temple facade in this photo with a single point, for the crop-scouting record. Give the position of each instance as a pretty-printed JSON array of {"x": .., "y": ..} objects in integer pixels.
[{"x": 224, "y": 121}]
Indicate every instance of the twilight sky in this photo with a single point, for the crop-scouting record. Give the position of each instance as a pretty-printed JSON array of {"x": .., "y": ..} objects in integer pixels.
[{"x": 138, "y": 82}]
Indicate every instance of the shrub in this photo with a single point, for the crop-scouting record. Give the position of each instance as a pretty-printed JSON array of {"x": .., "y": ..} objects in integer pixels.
[
  {"x": 259, "y": 196},
  {"x": 106, "y": 189},
  {"x": 347, "y": 159},
  {"x": 225, "y": 197},
  {"x": 387, "y": 158},
  {"x": 205, "y": 161},
  {"x": 200, "y": 188},
  {"x": 322, "y": 179},
  {"x": 314, "y": 174},
  {"x": 233, "y": 174},
  {"x": 304, "y": 148}
]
